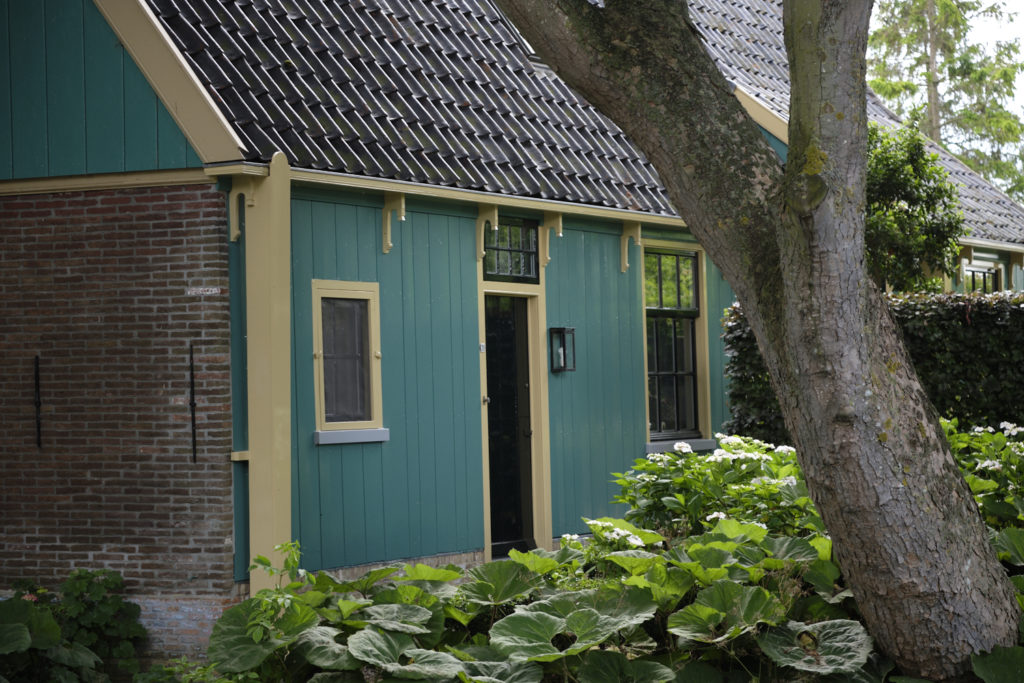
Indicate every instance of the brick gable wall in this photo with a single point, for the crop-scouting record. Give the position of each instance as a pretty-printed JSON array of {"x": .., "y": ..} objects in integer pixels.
[{"x": 109, "y": 288}]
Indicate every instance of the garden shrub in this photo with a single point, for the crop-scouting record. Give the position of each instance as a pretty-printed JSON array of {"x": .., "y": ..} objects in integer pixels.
[
  {"x": 722, "y": 571},
  {"x": 965, "y": 347},
  {"x": 86, "y": 632}
]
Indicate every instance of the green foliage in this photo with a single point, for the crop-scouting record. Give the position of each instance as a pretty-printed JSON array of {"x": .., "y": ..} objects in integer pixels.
[
  {"x": 736, "y": 584},
  {"x": 965, "y": 347},
  {"x": 958, "y": 93},
  {"x": 93, "y": 613},
  {"x": 913, "y": 218}
]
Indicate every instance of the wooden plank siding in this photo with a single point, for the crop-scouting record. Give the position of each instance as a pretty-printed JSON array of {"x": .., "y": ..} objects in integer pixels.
[
  {"x": 73, "y": 102},
  {"x": 420, "y": 493},
  {"x": 597, "y": 412}
]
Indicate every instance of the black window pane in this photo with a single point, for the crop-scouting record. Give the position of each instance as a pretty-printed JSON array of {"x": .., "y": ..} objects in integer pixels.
[
  {"x": 667, "y": 411},
  {"x": 664, "y": 334},
  {"x": 346, "y": 360},
  {"x": 684, "y": 344}
]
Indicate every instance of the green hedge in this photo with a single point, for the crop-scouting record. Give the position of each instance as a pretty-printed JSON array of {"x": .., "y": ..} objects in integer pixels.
[{"x": 968, "y": 350}]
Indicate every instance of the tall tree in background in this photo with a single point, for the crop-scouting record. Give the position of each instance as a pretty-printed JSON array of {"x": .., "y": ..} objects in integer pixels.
[
  {"x": 790, "y": 241},
  {"x": 958, "y": 93}
]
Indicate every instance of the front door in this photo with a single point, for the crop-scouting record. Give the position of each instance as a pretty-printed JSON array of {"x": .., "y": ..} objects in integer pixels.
[{"x": 508, "y": 419}]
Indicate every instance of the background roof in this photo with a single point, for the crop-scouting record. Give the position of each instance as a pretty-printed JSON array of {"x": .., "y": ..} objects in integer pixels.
[{"x": 745, "y": 39}]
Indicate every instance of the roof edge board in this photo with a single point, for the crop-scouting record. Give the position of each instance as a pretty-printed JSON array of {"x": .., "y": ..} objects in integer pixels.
[
  {"x": 991, "y": 244},
  {"x": 762, "y": 115},
  {"x": 312, "y": 177},
  {"x": 175, "y": 84},
  {"x": 104, "y": 181}
]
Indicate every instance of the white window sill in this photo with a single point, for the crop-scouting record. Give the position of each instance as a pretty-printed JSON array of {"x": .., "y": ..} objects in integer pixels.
[{"x": 336, "y": 436}]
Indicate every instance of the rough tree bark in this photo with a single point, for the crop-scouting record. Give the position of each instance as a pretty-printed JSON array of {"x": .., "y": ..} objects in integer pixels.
[{"x": 790, "y": 241}]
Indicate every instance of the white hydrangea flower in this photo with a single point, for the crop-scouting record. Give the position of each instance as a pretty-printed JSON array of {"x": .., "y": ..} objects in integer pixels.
[
  {"x": 785, "y": 450},
  {"x": 1010, "y": 429},
  {"x": 714, "y": 515},
  {"x": 662, "y": 459},
  {"x": 647, "y": 478},
  {"x": 731, "y": 441},
  {"x": 682, "y": 447},
  {"x": 634, "y": 541},
  {"x": 760, "y": 524},
  {"x": 993, "y": 465}
]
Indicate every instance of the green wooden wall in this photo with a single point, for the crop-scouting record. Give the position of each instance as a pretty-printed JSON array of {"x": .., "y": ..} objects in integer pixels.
[
  {"x": 598, "y": 418},
  {"x": 73, "y": 102},
  {"x": 421, "y": 492}
]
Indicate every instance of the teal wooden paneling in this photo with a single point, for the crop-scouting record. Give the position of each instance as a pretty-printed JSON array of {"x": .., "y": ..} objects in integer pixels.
[
  {"x": 6, "y": 150},
  {"x": 778, "y": 145},
  {"x": 597, "y": 413},
  {"x": 240, "y": 501},
  {"x": 719, "y": 297},
  {"x": 239, "y": 350},
  {"x": 420, "y": 493},
  {"x": 72, "y": 100},
  {"x": 65, "y": 88},
  {"x": 27, "y": 59}
]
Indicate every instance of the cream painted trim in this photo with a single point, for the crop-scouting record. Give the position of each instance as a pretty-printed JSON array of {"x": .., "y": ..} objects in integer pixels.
[
  {"x": 393, "y": 201},
  {"x": 703, "y": 342},
  {"x": 239, "y": 456},
  {"x": 477, "y": 197},
  {"x": 105, "y": 181},
  {"x": 540, "y": 419},
  {"x": 552, "y": 221},
  {"x": 186, "y": 99},
  {"x": 762, "y": 115},
  {"x": 487, "y": 214},
  {"x": 245, "y": 168},
  {"x": 968, "y": 242},
  {"x": 365, "y": 291},
  {"x": 268, "y": 319},
  {"x": 629, "y": 229}
]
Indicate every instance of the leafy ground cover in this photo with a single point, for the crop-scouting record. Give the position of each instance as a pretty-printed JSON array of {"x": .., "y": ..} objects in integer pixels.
[{"x": 721, "y": 571}]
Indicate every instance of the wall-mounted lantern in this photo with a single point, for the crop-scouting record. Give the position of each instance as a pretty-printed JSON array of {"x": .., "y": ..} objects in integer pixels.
[{"x": 563, "y": 349}]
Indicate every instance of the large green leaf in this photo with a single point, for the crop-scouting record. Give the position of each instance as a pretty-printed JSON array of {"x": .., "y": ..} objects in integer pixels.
[
  {"x": 1002, "y": 665},
  {"x": 603, "y": 666},
  {"x": 319, "y": 647},
  {"x": 395, "y": 617},
  {"x": 698, "y": 672},
  {"x": 74, "y": 656},
  {"x": 234, "y": 650},
  {"x": 14, "y": 638},
  {"x": 38, "y": 621},
  {"x": 827, "y": 647},
  {"x": 1009, "y": 544},
  {"x": 364, "y": 585},
  {"x": 536, "y": 563},
  {"x": 742, "y": 607},
  {"x": 496, "y": 583},
  {"x": 667, "y": 585},
  {"x": 422, "y": 572},
  {"x": 789, "y": 548},
  {"x": 379, "y": 648},
  {"x": 508, "y": 671},
  {"x": 624, "y": 605},
  {"x": 740, "y": 530},
  {"x": 635, "y": 562},
  {"x": 529, "y": 635},
  {"x": 425, "y": 665}
]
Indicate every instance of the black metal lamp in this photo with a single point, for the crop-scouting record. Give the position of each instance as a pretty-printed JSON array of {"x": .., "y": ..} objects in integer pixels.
[{"x": 563, "y": 349}]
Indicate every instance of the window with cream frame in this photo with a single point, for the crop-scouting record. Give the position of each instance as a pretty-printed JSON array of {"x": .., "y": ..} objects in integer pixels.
[{"x": 346, "y": 355}]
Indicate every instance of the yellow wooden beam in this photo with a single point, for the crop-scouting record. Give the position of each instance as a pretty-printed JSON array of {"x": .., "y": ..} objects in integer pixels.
[
  {"x": 185, "y": 98},
  {"x": 268, "y": 334}
]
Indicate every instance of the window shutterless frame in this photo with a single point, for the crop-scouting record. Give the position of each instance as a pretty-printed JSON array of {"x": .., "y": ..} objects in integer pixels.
[{"x": 346, "y": 355}]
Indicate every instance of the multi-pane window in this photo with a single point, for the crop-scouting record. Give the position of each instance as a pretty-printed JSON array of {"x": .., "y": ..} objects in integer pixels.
[
  {"x": 981, "y": 280},
  {"x": 510, "y": 251},
  {"x": 670, "y": 294},
  {"x": 346, "y": 341}
]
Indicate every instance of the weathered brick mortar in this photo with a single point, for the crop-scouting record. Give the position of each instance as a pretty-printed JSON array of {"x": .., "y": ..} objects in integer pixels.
[{"x": 109, "y": 288}]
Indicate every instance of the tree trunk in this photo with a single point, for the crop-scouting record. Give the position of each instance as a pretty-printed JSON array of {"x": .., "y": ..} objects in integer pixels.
[
  {"x": 933, "y": 121},
  {"x": 906, "y": 530}
]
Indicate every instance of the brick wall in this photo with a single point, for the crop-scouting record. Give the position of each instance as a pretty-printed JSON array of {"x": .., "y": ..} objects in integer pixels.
[{"x": 108, "y": 289}]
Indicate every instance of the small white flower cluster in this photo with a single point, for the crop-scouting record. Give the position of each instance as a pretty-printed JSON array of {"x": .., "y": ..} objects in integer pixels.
[
  {"x": 721, "y": 455},
  {"x": 758, "y": 481},
  {"x": 568, "y": 538},
  {"x": 980, "y": 430},
  {"x": 663, "y": 459},
  {"x": 1010, "y": 429},
  {"x": 729, "y": 440},
  {"x": 715, "y": 515},
  {"x": 785, "y": 450},
  {"x": 610, "y": 532},
  {"x": 682, "y": 447},
  {"x": 647, "y": 478},
  {"x": 993, "y": 465},
  {"x": 760, "y": 524}
]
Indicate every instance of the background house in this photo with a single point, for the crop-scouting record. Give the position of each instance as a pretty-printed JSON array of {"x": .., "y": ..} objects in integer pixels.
[{"x": 428, "y": 299}]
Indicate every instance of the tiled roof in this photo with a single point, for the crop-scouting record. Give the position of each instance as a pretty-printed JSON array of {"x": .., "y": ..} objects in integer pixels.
[
  {"x": 745, "y": 39},
  {"x": 443, "y": 92},
  {"x": 430, "y": 91}
]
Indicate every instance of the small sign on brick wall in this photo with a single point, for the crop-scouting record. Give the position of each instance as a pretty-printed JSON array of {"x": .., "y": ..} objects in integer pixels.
[{"x": 202, "y": 291}]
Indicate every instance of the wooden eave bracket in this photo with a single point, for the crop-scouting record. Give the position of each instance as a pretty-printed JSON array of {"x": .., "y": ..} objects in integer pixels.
[
  {"x": 552, "y": 221},
  {"x": 246, "y": 187},
  {"x": 629, "y": 229},
  {"x": 393, "y": 201},
  {"x": 487, "y": 218}
]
